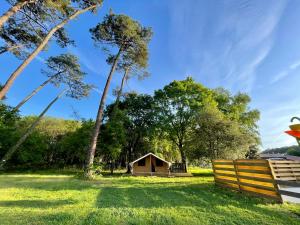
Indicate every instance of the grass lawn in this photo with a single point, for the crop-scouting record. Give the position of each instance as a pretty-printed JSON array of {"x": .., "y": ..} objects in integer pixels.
[{"x": 39, "y": 198}]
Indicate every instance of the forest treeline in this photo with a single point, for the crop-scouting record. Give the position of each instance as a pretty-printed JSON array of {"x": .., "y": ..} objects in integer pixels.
[
  {"x": 289, "y": 150},
  {"x": 184, "y": 121}
]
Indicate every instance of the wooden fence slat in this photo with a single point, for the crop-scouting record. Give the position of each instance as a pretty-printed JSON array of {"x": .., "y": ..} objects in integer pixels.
[
  {"x": 258, "y": 177},
  {"x": 258, "y": 186},
  {"x": 254, "y": 171},
  {"x": 225, "y": 174},
  {"x": 290, "y": 193},
  {"x": 288, "y": 183},
  {"x": 226, "y": 181},
  {"x": 289, "y": 165},
  {"x": 283, "y": 161}
]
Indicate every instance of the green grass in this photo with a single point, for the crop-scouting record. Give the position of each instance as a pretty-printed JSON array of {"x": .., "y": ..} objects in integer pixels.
[{"x": 40, "y": 198}]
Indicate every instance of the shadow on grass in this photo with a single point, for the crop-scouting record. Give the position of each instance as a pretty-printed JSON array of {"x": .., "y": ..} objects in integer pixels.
[
  {"x": 206, "y": 202},
  {"x": 35, "y": 203}
]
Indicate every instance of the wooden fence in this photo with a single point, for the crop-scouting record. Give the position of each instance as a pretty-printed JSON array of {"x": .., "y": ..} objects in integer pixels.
[
  {"x": 251, "y": 176},
  {"x": 286, "y": 175}
]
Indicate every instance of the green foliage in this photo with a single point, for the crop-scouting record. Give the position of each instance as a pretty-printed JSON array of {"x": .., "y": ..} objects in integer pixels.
[
  {"x": 177, "y": 105},
  {"x": 253, "y": 152},
  {"x": 65, "y": 69},
  {"x": 113, "y": 135},
  {"x": 8, "y": 127},
  {"x": 217, "y": 137},
  {"x": 28, "y": 27},
  {"x": 128, "y": 36}
]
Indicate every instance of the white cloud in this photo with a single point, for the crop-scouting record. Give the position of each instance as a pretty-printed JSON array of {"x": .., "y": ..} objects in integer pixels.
[{"x": 284, "y": 73}]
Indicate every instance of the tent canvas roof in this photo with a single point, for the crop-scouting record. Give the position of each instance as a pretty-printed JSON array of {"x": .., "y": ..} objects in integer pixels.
[{"x": 148, "y": 155}]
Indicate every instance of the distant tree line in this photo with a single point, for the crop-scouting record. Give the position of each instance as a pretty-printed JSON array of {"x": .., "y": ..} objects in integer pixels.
[
  {"x": 288, "y": 150},
  {"x": 183, "y": 122}
]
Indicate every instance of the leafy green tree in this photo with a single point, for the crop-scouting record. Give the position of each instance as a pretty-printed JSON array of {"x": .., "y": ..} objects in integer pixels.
[
  {"x": 76, "y": 90},
  {"x": 71, "y": 148},
  {"x": 8, "y": 127},
  {"x": 62, "y": 69},
  {"x": 113, "y": 138},
  {"x": 217, "y": 137},
  {"x": 26, "y": 29},
  {"x": 177, "y": 105},
  {"x": 236, "y": 108},
  {"x": 71, "y": 12},
  {"x": 128, "y": 37}
]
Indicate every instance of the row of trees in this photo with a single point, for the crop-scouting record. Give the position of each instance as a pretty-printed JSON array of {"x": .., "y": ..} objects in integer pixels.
[
  {"x": 28, "y": 26},
  {"x": 184, "y": 120},
  {"x": 173, "y": 123}
]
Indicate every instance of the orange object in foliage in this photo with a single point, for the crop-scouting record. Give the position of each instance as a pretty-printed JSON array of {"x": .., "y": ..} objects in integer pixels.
[{"x": 293, "y": 133}]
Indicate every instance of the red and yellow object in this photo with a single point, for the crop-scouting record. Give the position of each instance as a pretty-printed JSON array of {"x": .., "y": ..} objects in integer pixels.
[{"x": 294, "y": 133}]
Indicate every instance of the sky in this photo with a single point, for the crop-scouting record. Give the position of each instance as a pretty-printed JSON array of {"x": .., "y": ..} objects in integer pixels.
[{"x": 243, "y": 46}]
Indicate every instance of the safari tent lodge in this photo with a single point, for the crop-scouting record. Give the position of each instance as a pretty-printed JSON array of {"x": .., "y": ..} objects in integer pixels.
[{"x": 150, "y": 165}]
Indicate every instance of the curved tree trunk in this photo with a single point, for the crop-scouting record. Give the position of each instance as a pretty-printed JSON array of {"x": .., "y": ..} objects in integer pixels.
[
  {"x": 13, "y": 10},
  {"x": 35, "y": 91},
  {"x": 93, "y": 144},
  {"x": 12, "y": 150},
  {"x": 122, "y": 86},
  {"x": 25, "y": 63}
]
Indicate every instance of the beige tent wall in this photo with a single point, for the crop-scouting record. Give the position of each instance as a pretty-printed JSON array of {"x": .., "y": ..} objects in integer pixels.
[{"x": 146, "y": 170}]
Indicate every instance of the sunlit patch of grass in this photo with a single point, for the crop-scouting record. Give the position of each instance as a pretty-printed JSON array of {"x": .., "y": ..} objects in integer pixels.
[{"x": 64, "y": 199}]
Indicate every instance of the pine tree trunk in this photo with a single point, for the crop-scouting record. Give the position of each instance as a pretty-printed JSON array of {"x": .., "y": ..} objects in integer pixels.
[
  {"x": 35, "y": 91},
  {"x": 93, "y": 144},
  {"x": 13, "y": 11},
  {"x": 25, "y": 63},
  {"x": 122, "y": 86},
  {"x": 12, "y": 150}
]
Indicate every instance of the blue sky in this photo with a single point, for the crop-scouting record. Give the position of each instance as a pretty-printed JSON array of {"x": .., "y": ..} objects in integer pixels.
[{"x": 248, "y": 46}]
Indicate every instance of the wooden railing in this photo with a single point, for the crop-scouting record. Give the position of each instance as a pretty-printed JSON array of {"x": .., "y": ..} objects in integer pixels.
[
  {"x": 286, "y": 175},
  {"x": 250, "y": 176}
]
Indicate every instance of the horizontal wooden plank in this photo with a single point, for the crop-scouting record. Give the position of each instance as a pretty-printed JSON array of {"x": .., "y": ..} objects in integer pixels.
[
  {"x": 228, "y": 185},
  {"x": 217, "y": 166},
  {"x": 289, "y": 193},
  {"x": 225, "y": 177},
  {"x": 288, "y": 183},
  {"x": 251, "y": 161},
  {"x": 286, "y": 178},
  {"x": 283, "y": 161},
  {"x": 225, "y": 174},
  {"x": 276, "y": 198},
  {"x": 259, "y": 191},
  {"x": 286, "y": 166},
  {"x": 256, "y": 175},
  {"x": 225, "y": 180},
  {"x": 259, "y": 183},
  {"x": 255, "y": 171},
  {"x": 225, "y": 169},
  {"x": 287, "y": 174},
  {"x": 261, "y": 168},
  {"x": 271, "y": 188},
  {"x": 268, "y": 180},
  {"x": 264, "y": 164},
  {"x": 279, "y": 170}
]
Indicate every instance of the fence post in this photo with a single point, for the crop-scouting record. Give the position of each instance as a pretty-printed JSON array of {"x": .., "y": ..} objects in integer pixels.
[
  {"x": 276, "y": 186},
  {"x": 236, "y": 174}
]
